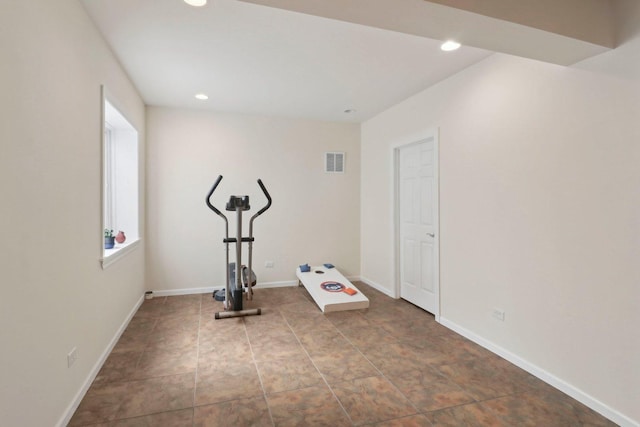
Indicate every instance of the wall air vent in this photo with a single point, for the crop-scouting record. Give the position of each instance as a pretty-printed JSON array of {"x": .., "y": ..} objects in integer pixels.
[{"x": 334, "y": 162}]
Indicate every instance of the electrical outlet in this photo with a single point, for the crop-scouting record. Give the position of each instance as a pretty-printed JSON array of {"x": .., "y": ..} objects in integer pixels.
[
  {"x": 269, "y": 264},
  {"x": 498, "y": 314},
  {"x": 72, "y": 357}
]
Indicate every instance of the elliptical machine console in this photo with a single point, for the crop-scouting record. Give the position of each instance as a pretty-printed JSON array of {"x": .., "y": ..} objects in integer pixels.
[{"x": 237, "y": 284}]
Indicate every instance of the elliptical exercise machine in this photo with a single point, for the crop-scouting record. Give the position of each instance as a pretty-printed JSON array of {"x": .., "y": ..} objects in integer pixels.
[{"x": 237, "y": 281}]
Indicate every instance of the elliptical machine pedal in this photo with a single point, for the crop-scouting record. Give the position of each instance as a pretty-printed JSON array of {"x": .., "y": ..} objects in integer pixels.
[{"x": 219, "y": 294}]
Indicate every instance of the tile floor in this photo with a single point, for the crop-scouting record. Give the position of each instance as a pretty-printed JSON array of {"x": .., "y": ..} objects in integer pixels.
[{"x": 389, "y": 365}]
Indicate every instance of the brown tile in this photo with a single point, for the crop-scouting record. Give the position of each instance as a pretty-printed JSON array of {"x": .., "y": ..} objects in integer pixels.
[
  {"x": 372, "y": 399},
  {"x": 300, "y": 306},
  {"x": 303, "y": 322},
  {"x": 428, "y": 354},
  {"x": 181, "y": 311},
  {"x": 119, "y": 367},
  {"x": 430, "y": 391},
  {"x": 521, "y": 378},
  {"x": 536, "y": 408},
  {"x": 179, "y": 323},
  {"x": 300, "y": 310},
  {"x": 232, "y": 382},
  {"x": 344, "y": 365},
  {"x": 212, "y": 362},
  {"x": 277, "y": 347},
  {"x": 394, "y": 358},
  {"x": 388, "y": 312},
  {"x": 454, "y": 347},
  {"x": 421, "y": 325},
  {"x": 213, "y": 341},
  {"x": 467, "y": 345},
  {"x": 183, "y": 304},
  {"x": 371, "y": 293},
  {"x": 235, "y": 413},
  {"x": 309, "y": 406},
  {"x": 183, "y": 300},
  {"x": 278, "y": 296},
  {"x": 171, "y": 339},
  {"x": 208, "y": 305},
  {"x": 140, "y": 326},
  {"x": 131, "y": 342},
  {"x": 231, "y": 328},
  {"x": 272, "y": 324},
  {"x": 488, "y": 378},
  {"x": 180, "y": 418},
  {"x": 324, "y": 342},
  {"x": 348, "y": 319},
  {"x": 267, "y": 332},
  {"x": 288, "y": 374},
  {"x": 155, "y": 363},
  {"x": 412, "y": 312},
  {"x": 411, "y": 421},
  {"x": 367, "y": 336},
  {"x": 525, "y": 410},
  {"x": 402, "y": 341},
  {"x": 155, "y": 395},
  {"x": 100, "y": 404},
  {"x": 151, "y": 308},
  {"x": 268, "y": 315},
  {"x": 472, "y": 415},
  {"x": 589, "y": 417},
  {"x": 224, "y": 356}
]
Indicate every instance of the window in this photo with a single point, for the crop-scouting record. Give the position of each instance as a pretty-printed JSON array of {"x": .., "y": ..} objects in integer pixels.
[{"x": 120, "y": 182}]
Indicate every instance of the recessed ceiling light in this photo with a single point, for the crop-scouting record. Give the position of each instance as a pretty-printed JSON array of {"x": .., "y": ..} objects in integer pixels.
[
  {"x": 196, "y": 3},
  {"x": 449, "y": 45},
  {"x": 202, "y": 97}
]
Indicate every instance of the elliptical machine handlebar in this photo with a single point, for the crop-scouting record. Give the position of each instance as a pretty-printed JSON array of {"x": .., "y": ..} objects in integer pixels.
[
  {"x": 217, "y": 211},
  {"x": 208, "y": 199},
  {"x": 268, "y": 205}
]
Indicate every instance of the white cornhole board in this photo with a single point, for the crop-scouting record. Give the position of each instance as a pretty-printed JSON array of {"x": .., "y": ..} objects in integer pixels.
[{"x": 331, "y": 301}]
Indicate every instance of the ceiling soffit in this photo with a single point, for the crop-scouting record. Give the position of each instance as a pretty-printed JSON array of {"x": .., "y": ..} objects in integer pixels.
[{"x": 559, "y": 32}]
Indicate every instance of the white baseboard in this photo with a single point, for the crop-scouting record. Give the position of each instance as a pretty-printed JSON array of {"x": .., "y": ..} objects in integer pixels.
[
  {"x": 545, "y": 376},
  {"x": 378, "y": 287},
  {"x": 71, "y": 409},
  {"x": 186, "y": 291},
  {"x": 283, "y": 284},
  {"x": 210, "y": 289}
]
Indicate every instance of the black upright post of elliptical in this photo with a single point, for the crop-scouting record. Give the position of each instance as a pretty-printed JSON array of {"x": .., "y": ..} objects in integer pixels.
[
  {"x": 234, "y": 281},
  {"x": 226, "y": 234},
  {"x": 260, "y": 212},
  {"x": 237, "y": 276}
]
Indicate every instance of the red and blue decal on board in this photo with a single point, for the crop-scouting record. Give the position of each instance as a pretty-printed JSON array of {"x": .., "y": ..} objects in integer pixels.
[{"x": 332, "y": 286}]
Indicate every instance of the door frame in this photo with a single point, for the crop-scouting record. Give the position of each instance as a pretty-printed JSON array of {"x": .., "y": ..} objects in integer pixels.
[{"x": 431, "y": 134}]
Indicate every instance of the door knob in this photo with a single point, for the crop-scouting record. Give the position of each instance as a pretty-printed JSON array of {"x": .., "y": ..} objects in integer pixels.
[{"x": 431, "y": 234}]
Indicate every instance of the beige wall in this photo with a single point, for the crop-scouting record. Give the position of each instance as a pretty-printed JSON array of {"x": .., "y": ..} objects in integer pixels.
[
  {"x": 539, "y": 213},
  {"x": 54, "y": 295},
  {"x": 314, "y": 217}
]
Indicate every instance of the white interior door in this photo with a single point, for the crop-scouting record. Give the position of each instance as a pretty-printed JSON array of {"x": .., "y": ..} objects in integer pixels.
[{"x": 418, "y": 225}]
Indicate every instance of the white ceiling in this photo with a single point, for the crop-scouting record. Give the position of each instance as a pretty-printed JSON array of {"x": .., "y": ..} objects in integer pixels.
[
  {"x": 317, "y": 58},
  {"x": 259, "y": 60}
]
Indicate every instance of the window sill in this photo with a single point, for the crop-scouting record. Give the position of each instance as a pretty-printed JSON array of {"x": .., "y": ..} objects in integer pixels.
[{"x": 118, "y": 252}]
